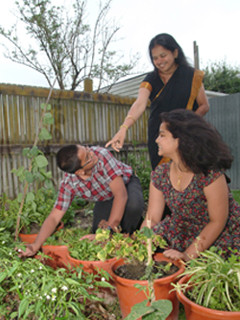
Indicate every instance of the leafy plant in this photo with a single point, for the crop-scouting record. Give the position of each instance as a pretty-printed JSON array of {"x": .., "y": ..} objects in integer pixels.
[
  {"x": 31, "y": 290},
  {"x": 36, "y": 171},
  {"x": 159, "y": 309},
  {"x": 214, "y": 282},
  {"x": 150, "y": 308},
  {"x": 66, "y": 236},
  {"x": 106, "y": 245},
  {"x": 132, "y": 248},
  {"x": 142, "y": 168},
  {"x": 236, "y": 195}
]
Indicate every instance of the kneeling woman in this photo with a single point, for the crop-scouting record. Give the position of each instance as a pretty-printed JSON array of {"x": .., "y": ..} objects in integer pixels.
[{"x": 193, "y": 185}]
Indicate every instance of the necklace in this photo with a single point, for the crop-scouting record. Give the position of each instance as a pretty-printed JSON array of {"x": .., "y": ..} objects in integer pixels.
[{"x": 179, "y": 180}]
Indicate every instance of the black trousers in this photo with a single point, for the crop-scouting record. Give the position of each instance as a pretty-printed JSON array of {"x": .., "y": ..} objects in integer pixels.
[{"x": 132, "y": 217}]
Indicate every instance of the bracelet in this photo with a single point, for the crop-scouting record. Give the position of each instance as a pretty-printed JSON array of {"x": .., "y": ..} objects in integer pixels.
[
  {"x": 131, "y": 117},
  {"x": 124, "y": 126}
]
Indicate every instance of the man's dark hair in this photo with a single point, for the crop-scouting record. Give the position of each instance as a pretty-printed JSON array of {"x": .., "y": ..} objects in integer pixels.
[{"x": 67, "y": 159}]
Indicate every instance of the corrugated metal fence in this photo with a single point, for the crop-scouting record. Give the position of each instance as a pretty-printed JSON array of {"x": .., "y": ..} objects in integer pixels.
[
  {"x": 224, "y": 114},
  {"x": 89, "y": 119}
]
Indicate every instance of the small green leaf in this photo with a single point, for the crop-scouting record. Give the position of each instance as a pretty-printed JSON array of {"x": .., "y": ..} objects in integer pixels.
[
  {"x": 48, "y": 118},
  {"x": 19, "y": 197},
  {"x": 41, "y": 161},
  {"x": 30, "y": 197},
  {"x": 147, "y": 232},
  {"x": 22, "y": 307},
  {"x": 45, "y": 134},
  {"x": 29, "y": 177}
]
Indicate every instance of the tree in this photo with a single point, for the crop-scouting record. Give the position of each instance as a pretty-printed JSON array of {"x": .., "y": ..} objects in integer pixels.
[
  {"x": 63, "y": 46},
  {"x": 220, "y": 77}
]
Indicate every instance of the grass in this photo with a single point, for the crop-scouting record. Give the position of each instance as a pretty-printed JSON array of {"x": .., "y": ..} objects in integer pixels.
[{"x": 236, "y": 195}]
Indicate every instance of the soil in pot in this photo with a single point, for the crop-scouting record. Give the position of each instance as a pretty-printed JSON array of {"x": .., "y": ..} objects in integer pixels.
[
  {"x": 138, "y": 271},
  {"x": 129, "y": 295}
]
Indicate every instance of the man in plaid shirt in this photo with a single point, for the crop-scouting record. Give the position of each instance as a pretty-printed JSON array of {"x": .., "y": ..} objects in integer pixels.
[{"x": 95, "y": 175}]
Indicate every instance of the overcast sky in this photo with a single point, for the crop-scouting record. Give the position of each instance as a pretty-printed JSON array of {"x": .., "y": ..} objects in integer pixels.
[{"x": 213, "y": 24}]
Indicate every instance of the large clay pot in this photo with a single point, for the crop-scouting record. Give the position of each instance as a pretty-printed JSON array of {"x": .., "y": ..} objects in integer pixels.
[
  {"x": 30, "y": 238},
  {"x": 128, "y": 295},
  {"x": 58, "y": 256},
  {"x": 64, "y": 259},
  {"x": 194, "y": 311}
]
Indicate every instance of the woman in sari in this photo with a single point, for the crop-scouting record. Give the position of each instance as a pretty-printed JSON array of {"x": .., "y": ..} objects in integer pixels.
[{"x": 172, "y": 85}]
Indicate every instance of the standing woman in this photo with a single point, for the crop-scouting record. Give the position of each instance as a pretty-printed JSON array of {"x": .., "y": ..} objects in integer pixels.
[
  {"x": 193, "y": 185},
  {"x": 173, "y": 84}
]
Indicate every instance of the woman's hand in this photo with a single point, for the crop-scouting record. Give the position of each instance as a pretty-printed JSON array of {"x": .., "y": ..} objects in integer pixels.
[
  {"x": 175, "y": 255},
  {"x": 118, "y": 140},
  {"x": 88, "y": 236}
]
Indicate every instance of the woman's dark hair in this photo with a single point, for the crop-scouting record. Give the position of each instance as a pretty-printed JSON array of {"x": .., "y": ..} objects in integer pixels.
[
  {"x": 201, "y": 147},
  {"x": 67, "y": 159},
  {"x": 168, "y": 42}
]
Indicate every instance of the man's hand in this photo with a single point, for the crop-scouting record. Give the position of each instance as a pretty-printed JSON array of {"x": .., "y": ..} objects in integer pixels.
[
  {"x": 103, "y": 224},
  {"x": 30, "y": 251}
]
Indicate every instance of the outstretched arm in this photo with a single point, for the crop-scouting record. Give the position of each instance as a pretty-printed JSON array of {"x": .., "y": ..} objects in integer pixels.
[
  {"x": 134, "y": 113},
  {"x": 46, "y": 230},
  {"x": 217, "y": 200},
  {"x": 120, "y": 197}
]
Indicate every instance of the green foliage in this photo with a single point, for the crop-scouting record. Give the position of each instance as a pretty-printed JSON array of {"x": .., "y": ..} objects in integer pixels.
[
  {"x": 236, "y": 195},
  {"x": 214, "y": 282},
  {"x": 106, "y": 245},
  {"x": 31, "y": 290},
  {"x": 62, "y": 44},
  {"x": 132, "y": 248},
  {"x": 142, "y": 168},
  {"x": 159, "y": 309},
  {"x": 35, "y": 209},
  {"x": 220, "y": 77},
  {"x": 67, "y": 236}
]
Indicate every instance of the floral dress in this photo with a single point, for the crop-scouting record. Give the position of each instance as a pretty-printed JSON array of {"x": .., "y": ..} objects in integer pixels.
[{"x": 189, "y": 212}]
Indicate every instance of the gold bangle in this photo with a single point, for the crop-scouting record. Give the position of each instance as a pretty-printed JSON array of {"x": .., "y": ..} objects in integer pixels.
[
  {"x": 124, "y": 126},
  {"x": 131, "y": 117}
]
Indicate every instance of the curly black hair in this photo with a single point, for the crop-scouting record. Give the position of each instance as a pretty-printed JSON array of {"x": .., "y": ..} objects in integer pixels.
[{"x": 201, "y": 146}]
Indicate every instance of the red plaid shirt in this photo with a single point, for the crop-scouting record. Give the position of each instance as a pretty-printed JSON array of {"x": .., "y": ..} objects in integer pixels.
[{"x": 96, "y": 187}]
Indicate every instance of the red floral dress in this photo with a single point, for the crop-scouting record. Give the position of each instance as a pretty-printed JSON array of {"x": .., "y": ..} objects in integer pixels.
[{"x": 189, "y": 212}]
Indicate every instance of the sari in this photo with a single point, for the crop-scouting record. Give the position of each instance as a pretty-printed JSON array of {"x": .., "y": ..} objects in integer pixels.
[{"x": 180, "y": 92}]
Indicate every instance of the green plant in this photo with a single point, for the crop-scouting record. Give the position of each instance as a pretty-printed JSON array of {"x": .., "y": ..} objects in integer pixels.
[
  {"x": 8, "y": 213},
  {"x": 141, "y": 167},
  {"x": 214, "y": 282},
  {"x": 132, "y": 248},
  {"x": 159, "y": 309},
  {"x": 66, "y": 236},
  {"x": 150, "y": 308},
  {"x": 36, "y": 172},
  {"x": 32, "y": 290},
  {"x": 236, "y": 195}
]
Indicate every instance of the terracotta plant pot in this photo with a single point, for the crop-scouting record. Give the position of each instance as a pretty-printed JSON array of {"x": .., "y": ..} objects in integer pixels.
[
  {"x": 64, "y": 259},
  {"x": 128, "y": 295},
  {"x": 58, "y": 256},
  {"x": 30, "y": 238},
  {"x": 194, "y": 311}
]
